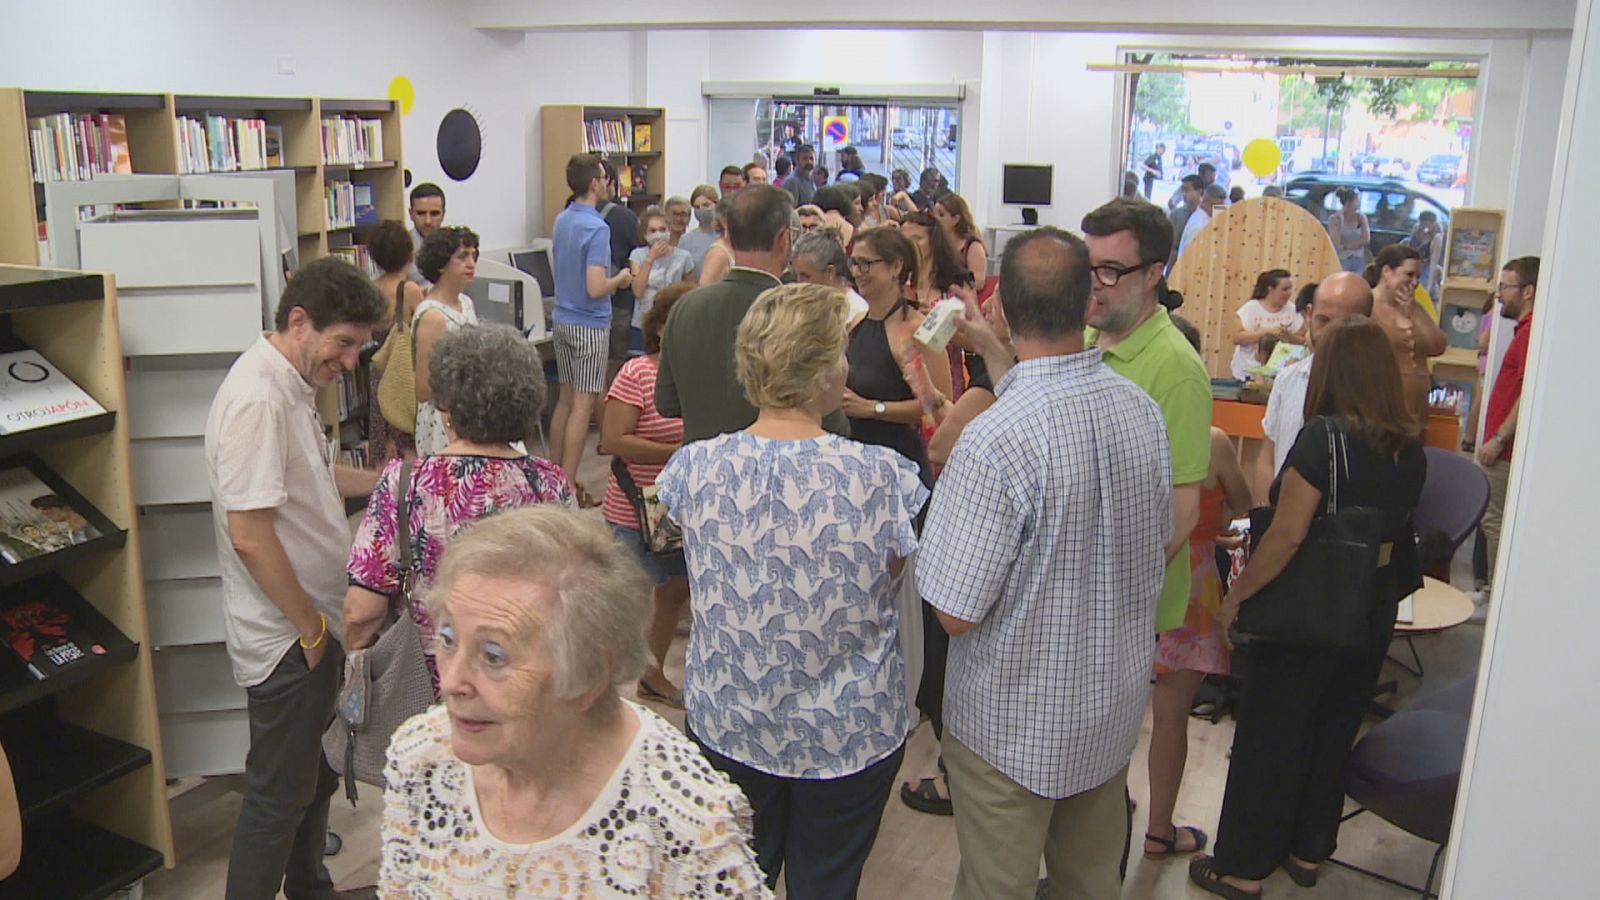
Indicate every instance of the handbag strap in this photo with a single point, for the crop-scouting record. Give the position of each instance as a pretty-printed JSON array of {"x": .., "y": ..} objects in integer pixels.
[
  {"x": 400, "y": 304},
  {"x": 630, "y": 488},
  {"x": 1338, "y": 452},
  {"x": 403, "y": 514}
]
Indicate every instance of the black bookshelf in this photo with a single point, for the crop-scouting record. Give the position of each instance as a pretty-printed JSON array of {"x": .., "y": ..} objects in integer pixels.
[
  {"x": 27, "y": 441},
  {"x": 110, "y": 537},
  {"x": 63, "y": 761},
  {"x": 19, "y": 686},
  {"x": 26, "y": 288},
  {"x": 65, "y": 859},
  {"x": 44, "y": 103},
  {"x": 218, "y": 105}
]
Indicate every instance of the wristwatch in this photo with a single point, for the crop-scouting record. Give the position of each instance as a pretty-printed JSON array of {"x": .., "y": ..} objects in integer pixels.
[{"x": 878, "y": 409}]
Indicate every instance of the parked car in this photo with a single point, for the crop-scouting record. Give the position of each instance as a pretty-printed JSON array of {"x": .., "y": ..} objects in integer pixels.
[
  {"x": 908, "y": 138},
  {"x": 1391, "y": 206},
  {"x": 1440, "y": 169}
]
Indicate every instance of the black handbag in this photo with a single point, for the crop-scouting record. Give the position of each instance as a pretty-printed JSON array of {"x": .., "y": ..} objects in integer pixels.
[{"x": 1323, "y": 597}]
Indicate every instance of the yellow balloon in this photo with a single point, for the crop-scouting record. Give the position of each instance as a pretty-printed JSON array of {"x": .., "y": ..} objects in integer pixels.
[
  {"x": 401, "y": 91},
  {"x": 1262, "y": 156}
]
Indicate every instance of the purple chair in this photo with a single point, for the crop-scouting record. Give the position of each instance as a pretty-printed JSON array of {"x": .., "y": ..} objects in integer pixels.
[
  {"x": 1406, "y": 770},
  {"x": 1454, "y": 497}
]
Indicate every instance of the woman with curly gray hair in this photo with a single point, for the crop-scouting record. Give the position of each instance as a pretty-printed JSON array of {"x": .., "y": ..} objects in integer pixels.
[{"x": 488, "y": 385}]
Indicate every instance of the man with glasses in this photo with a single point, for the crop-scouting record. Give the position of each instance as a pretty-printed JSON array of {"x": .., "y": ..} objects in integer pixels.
[
  {"x": 1518, "y": 284},
  {"x": 1129, "y": 241},
  {"x": 695, "y": 380}
]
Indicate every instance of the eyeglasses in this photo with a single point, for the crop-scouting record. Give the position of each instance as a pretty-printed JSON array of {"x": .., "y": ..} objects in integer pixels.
[
  {"x": 862, "y": 264},
  {"x": 1502, "y": 286},
  {"x": 1109, "y": 275}
]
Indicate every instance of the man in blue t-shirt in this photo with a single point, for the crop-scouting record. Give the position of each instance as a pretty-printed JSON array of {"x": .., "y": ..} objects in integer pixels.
[{"x": 584, "y": 285}]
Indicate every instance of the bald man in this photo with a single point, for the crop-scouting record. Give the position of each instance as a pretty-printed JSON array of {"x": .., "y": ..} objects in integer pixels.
[{"x": 1338, "y": 297}]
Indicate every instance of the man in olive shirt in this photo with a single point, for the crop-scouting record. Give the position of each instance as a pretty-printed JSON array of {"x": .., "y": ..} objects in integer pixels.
[
  {"x": 695, "y": 380},
  {"x": 1129, "y": 241}
]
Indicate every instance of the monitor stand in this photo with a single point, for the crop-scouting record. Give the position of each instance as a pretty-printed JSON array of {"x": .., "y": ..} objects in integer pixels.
[{"x": 1030, "y": 216}]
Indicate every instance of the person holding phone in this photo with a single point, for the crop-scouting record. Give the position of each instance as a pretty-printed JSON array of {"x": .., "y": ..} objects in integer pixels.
[{"x": 655, "y": 265}]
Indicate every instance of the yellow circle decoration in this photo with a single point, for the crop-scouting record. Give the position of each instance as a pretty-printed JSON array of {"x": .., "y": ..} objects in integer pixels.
[
  {"x": 401, "y": 91},
  {"x": 1262, "y": 156}
]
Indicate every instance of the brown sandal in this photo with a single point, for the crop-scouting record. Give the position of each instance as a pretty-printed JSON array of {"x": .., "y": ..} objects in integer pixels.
[{"x": 1170, "y": 845}]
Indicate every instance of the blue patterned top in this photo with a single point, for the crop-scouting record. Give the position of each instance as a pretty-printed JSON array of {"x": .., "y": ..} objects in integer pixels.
[{"x": 794, "y": 664}]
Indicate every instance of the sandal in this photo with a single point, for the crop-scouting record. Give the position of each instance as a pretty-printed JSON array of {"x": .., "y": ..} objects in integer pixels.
[
  {"x": 925, "y": 798},
  {"x": 648, "y": 693},
  {"x": 1170, "y": 845},
  {"x": 1300, "y": 874},
  {"x": 585, "y": 500},
  {"x": 1203, "y": 873}
]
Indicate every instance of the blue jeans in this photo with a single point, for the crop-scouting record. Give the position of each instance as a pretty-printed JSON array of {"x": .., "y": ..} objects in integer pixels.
[{"x": 661, "y": 569}]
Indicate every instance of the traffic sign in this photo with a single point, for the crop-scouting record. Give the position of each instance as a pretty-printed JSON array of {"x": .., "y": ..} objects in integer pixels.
[{"x": 835, "y": 132}]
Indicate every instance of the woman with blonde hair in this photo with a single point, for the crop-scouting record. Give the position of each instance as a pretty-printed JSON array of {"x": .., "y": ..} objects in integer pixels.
[{"x": 794, "y": 678}]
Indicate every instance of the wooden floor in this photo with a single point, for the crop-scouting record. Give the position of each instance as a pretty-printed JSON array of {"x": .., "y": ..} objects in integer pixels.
[{"x": 916, "y": 855}]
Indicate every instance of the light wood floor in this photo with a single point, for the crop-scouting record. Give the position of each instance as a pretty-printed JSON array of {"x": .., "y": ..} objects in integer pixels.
[{"x": 916, "y": 855}]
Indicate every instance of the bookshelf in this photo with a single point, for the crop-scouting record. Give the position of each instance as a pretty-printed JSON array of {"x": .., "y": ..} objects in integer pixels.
[
  {"x": 612, "y": 131},
  {"x": 1472, "y": 260},
  {"x": 154, "y": 145},
  {"x": 84, "y": 741}
]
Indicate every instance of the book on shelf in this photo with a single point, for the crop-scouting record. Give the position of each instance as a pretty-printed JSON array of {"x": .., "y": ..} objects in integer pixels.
[
  {"x": 68, "y": 147},
  {"x": 42, "y": 632},
  {"x": 642, "y": 133},
  {"x": 607, "y": 136},
  {"x": 221, "y": 144},
  {"x": 1461, "y": 324},
  {"x": 1472, "y": 254},
  {"x": 34, "y": 394},
  {"x": 341, "y": 210},
  {"x": 357, "y": 255},
  {"x": 274, "y": 146},
  {"x": 347, "y": 140},
  {"x": 366, "y": 205},
  {"x": 35, "y": 520},
  {"x": 356, "y": 457},
  {"x": 352, "y": 394},
  {"x": 625, "y": 181}
]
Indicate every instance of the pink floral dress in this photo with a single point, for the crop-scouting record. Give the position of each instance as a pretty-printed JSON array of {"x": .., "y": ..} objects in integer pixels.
[{"x": 447, "y": 491}]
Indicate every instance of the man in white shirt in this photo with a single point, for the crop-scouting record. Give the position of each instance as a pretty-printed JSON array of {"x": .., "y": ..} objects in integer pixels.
[
  {"x": 1213, "y": 196},
  {"x": 1338, "y": 297},
  {"x": 283, "y": 542},
  {"x": 427, "y": 214}
]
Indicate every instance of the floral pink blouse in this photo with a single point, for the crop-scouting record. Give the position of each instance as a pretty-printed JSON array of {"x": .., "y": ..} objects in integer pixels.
[{"x": 447, "y": 491}]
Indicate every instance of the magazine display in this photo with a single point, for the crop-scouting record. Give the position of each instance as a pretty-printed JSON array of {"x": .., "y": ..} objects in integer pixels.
[
  {"x": 34, "y": 393},
  {"x": 35, "y": 520}
]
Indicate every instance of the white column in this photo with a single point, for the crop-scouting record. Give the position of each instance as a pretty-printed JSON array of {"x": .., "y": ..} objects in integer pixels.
[{"x": 1525, "y": 816}]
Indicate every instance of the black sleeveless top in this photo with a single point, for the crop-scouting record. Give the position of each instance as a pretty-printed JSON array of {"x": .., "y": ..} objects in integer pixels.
[{"x": 875, "y": 375}]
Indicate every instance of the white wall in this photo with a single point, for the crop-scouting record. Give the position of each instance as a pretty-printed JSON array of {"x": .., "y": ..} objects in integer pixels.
[
  {"x": 342, "y": 48},
  {"x": 1524, "y": 823}
]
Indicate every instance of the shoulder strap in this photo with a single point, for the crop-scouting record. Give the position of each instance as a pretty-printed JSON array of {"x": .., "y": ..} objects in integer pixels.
[
  {"x": 607, "y": 208},
  {"x": 400, "y": 303},
  {"x": 403, "y": 513},
  {"x": 630, "y": 489}
]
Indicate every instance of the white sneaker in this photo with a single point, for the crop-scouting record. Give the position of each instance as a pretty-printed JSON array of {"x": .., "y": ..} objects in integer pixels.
[{"x": 1480, "y": 606}]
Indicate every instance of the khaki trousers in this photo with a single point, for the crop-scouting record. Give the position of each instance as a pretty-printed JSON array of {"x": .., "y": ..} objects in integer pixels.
[
  {"x": 1003, "y": 829},
  {"x": 1498, "y": 475}
]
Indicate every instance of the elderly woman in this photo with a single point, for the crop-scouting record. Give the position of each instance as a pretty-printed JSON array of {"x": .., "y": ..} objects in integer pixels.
[
  {"x": 534, "y": 778},
  {"x": 818, "y": 258},
  {"x": 487, "y": 382},
  {"x": 794, "y": 680}
]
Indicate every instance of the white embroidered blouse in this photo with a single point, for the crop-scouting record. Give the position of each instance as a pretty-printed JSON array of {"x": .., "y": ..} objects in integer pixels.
[{"x": 666, "y": 825}]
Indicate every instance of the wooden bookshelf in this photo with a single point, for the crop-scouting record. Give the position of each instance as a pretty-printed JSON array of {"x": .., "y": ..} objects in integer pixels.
[
  {"x": 153, "y": 148},
  {"x": 565, "y": 129},
  {"x": 96, "y": 785},
  {"x": 1473, "y": 256}
]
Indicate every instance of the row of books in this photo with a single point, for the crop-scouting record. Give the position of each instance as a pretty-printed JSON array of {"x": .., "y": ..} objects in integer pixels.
[
  {"x": 356, "y": 255},
  {"x": 352, "y": 393},
  {"x": 350, "y": 203},
  {"x": 615, "y": 136},
  {"x": 348, "y": 140},
  {"x": 68, "y": 147},
  {"x": 357, "y": 456},
  {"x": 225, "y": 144}
]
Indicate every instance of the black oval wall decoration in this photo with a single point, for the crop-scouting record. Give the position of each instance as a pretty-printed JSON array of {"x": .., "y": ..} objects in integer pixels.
[
  {"x": 408, "y": 178},
  {"x": 460, "y": 144}
]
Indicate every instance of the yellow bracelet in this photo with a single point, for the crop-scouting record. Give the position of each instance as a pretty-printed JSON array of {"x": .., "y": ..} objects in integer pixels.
[{"x": 322, "y": 636}]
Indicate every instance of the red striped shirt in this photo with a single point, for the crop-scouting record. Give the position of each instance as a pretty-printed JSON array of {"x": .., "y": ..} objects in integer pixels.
[{"x": 635, "y": 385}]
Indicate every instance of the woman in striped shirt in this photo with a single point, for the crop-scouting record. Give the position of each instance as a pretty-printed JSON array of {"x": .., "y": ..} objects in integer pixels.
[{"x": 642, "y": 438}]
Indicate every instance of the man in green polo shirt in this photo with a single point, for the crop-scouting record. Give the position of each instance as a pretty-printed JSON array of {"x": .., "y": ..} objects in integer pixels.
[{"x": 1129, "y": 241}]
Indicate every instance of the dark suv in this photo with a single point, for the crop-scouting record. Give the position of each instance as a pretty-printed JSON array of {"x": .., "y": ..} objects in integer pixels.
[{"x": 1391, "y": 206}]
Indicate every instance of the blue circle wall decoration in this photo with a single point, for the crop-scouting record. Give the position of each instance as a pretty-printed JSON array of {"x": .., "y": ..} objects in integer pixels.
[{"x": 460, "y": 144}]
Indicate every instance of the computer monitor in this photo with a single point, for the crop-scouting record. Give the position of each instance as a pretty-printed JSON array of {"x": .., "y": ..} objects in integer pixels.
[
  {"x": 1028, "y": 186},
  {"x": 536, "y": 262}
]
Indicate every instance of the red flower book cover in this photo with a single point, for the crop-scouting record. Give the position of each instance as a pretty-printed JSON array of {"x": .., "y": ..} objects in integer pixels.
[{"x": 43, "y": 635}]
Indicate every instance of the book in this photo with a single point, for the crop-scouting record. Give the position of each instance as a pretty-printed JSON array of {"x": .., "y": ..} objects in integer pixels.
[
  {"x": 47, "y": 637},
  {"x": 1472, "y": 254},
  {"x": 36, "y": 521},
  {"x": 68, "y": 147},
  {"x": 366, "y": 207},
  {"x": 34, "y": 393},
  {"x": 625, "y": 181},
  {"x": 1460, "y": 325},
  {"x": 274, "y": 146},
  {"x": 642, "y": 138}
]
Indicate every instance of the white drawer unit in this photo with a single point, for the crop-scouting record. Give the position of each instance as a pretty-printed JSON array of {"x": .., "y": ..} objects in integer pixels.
[
  {"x": 170, "y": 470},
  {"x": 213, "y": 743},
  {"x": 196, "y": 680},
  {"x": 171, "y": 402},
  {"x": 185, "y": 611},
  {"x": 178, "y": 543}
]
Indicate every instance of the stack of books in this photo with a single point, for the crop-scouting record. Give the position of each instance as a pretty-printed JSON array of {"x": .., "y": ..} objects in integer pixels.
[
  {"x": 341, "y": 212},
  {"x": 67, "y": 147},
  {"x": 352, "y": 394},
  {"x": 223, "y": 144},
  {"x": 347, "y": 141},
  {"x": 607, "y": 136}
]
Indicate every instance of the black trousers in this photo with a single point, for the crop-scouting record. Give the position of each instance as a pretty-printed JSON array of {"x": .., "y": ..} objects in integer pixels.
[
  {"x": 1298, "y": 716},
  {"x": 818, "y": 833},
  {"x": 935, "y": 653}
]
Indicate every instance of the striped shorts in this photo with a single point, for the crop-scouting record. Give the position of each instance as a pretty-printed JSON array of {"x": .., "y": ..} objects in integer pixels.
[{"x": 581, "y": 354}]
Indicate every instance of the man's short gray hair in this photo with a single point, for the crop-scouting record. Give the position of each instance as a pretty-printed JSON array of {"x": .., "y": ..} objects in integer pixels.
[
  {"x": 594, "y": 631},
  {"x": 490, "y": 380}
]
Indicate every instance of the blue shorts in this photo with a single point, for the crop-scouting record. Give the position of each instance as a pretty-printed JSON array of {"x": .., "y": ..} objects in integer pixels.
[{"x": 660, "y": 569}]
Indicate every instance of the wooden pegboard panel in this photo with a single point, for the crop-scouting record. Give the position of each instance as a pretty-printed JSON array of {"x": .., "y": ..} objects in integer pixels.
[{"x": 1219, "y": 267}]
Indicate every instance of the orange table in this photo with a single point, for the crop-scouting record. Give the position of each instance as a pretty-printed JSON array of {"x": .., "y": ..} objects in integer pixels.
[{"x": 1240, "y": 420}]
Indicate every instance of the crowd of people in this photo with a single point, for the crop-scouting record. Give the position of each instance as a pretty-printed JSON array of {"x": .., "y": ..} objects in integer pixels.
[{"x": 1012, "y": 537}]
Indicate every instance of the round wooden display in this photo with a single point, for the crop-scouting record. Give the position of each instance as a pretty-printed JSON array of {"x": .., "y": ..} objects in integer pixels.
[{"x": 1219, "y": 267}]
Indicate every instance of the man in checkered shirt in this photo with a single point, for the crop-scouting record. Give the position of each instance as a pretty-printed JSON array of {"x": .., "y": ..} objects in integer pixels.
[{"x": 1043, "y": 557}]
